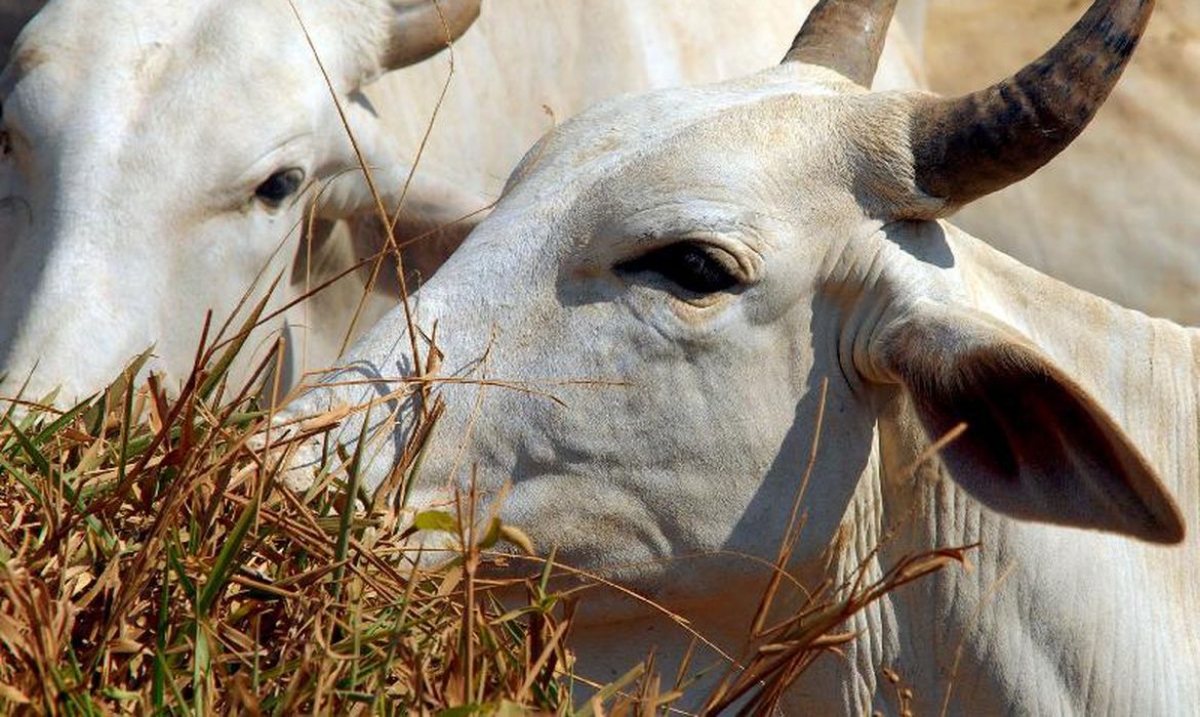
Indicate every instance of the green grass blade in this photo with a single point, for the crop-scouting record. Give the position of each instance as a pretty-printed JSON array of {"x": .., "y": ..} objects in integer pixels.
[
  {"x": 354, "y": 472},
  {"x": 611, "y": 690},
  {"x": 226, "y": 559},
  {"x": 161, "y": 670},
  {"x": 176, "y": 564},
  {"x": 201, "y": 666},
  {"x": 61, "y": 422},
  {"x": 19, "y": 476},
  {"x": 31, "y": 451},
  {"x": 221, "y": 367},
  {"x": 126, "y": 429}
]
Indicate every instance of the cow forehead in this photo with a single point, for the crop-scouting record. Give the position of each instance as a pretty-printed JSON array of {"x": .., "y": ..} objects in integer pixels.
[
  {"x": 739, "y": 166},
  {"x": 157, "y": 94},
  {"x": 622, "y": 131},
  {"x": 118, "y": 30},
  {"x": 658, "y": 164},
  {"x": 144, "y": 45}
]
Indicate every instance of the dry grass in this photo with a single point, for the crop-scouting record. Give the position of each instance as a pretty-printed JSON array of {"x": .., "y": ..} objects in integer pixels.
[{"x": 152, "y": 562}]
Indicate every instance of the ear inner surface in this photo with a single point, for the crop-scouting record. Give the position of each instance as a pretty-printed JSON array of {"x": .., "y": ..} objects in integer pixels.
[{"x": 1036, "y": 446}]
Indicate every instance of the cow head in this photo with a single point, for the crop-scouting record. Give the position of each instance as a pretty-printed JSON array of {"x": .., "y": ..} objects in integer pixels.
[
  {"x": 157, "y": 157},
  {"x": 678, "y": 291}
]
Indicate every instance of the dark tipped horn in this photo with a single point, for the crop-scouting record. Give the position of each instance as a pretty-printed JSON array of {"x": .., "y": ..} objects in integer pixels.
[
  {"x": 423, "y": 28},
  {"x": 844, "y": 35},
  {"x": 970, "y": 146}
]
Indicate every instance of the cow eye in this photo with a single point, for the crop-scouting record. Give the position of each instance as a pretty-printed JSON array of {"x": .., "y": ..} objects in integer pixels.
[
  {"x": 279, "y": 186},
  {"x": 689, "y": 265}
]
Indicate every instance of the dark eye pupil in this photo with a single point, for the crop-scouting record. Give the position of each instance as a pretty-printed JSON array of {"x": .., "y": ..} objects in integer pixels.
[
  {"x": 687, "y": 265},
  {"x": 280, "y": 185}
]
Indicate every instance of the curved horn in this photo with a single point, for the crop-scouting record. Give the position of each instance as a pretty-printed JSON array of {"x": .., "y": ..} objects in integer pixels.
[
  {"x": 845, "y": 36},
  {"x": 966, "y": 147},
  {"x": 422, "y": 28}
]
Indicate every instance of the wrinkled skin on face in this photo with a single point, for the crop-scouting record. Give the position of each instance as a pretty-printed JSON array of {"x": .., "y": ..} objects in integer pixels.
[{"x": 680, "y": 293}]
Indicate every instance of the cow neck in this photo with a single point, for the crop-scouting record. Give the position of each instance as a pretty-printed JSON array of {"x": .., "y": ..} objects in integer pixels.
[{"x": 1044, "y": 612}]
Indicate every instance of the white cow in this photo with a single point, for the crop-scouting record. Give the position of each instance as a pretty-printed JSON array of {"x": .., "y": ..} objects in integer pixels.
[
  {"x": 159, "y": 150},
  {"x": 153, "y": 157},
  {"x": 684, "y": 271}
]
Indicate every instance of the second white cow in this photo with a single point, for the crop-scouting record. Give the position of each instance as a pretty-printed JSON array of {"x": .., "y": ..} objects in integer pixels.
[{"x": 155, "y": 162}]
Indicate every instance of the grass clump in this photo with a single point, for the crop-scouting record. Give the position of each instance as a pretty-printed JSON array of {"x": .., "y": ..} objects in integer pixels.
[{"x": 152, "y": 561}]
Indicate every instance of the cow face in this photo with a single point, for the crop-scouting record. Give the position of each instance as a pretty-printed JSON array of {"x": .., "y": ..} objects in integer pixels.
[
  {"x": 157, "y": 162},
  {"x": 638, "y": 337}
]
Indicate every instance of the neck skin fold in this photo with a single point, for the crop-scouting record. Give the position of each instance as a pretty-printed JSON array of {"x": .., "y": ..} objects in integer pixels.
[{"x": 1049, "y": 619}]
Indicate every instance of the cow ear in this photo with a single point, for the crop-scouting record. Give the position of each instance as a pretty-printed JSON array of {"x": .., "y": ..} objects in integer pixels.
[
  {"x": 423, "y": 194},
  {"x": 1036, "y": 445},
  {"x": 435, "y": 214},
  {"x": 422, "y": 28}
]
